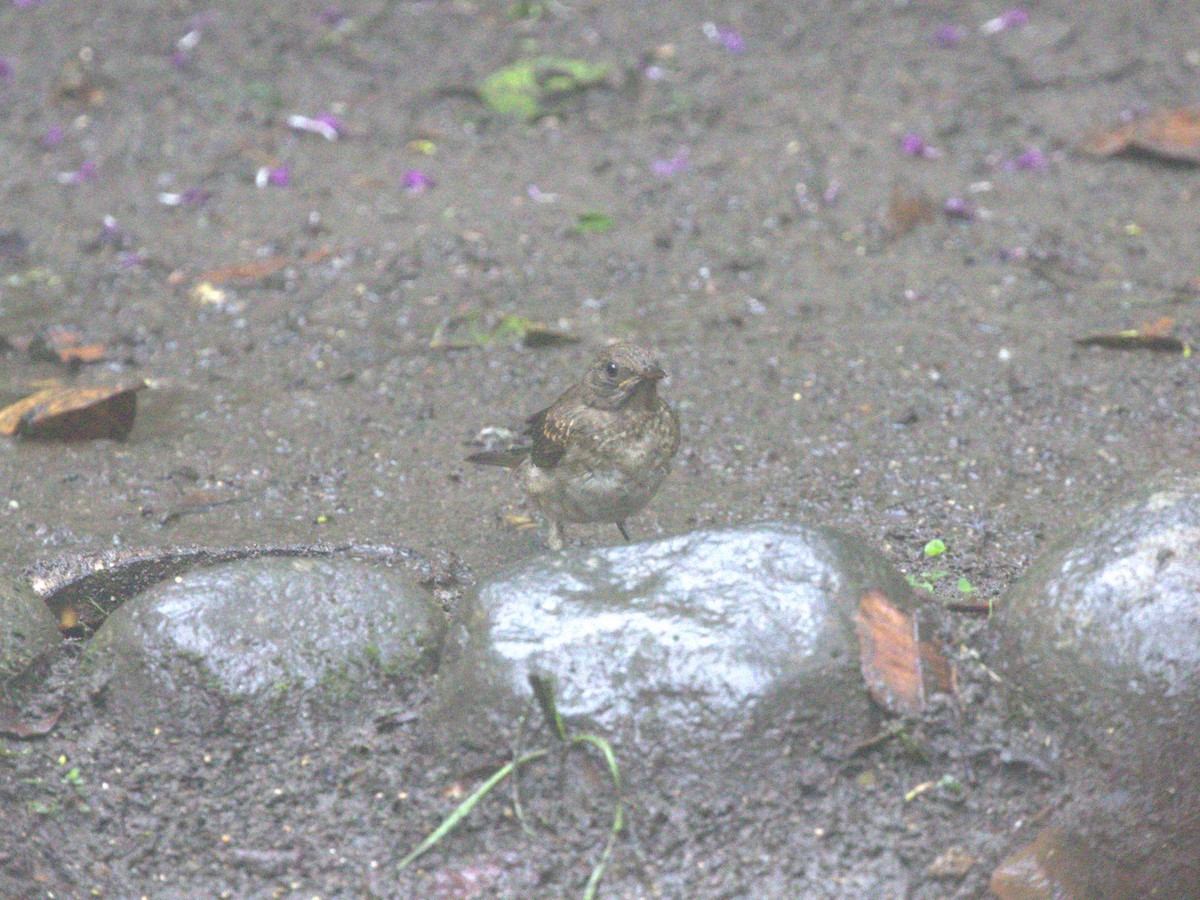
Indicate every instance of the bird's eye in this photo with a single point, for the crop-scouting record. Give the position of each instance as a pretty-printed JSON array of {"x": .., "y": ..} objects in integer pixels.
[{"x": 611, "y": 370}]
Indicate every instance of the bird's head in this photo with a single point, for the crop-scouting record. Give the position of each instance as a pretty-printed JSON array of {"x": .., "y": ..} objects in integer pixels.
[{"x": 624, "y": 375}]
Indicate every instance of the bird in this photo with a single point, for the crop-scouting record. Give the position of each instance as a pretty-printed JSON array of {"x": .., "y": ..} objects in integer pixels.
[{"x": 601, "y": 450}]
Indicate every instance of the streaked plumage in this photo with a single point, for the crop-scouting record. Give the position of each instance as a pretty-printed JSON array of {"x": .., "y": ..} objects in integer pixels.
[{"x": 602, "y": 449}]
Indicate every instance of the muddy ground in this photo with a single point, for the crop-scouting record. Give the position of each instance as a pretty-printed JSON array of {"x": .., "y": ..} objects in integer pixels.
[{"x": 839, "y": 349}]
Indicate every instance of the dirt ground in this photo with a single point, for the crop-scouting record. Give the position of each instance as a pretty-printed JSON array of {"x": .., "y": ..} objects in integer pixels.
[{"x": 757, "y": 191}]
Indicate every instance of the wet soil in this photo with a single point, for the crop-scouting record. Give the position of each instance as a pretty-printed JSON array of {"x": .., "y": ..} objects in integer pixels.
[{"x": 839, "y": 350}]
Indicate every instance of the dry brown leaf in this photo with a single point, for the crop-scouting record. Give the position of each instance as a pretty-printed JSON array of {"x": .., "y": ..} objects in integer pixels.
[
  {"x": 1054, "y": 865},
  {"x": 73, "y": 414},
  {"x": 908, "y": 208},
  {"x": 250, "y": 271},
  {"x": 1172, "y": 134},
  {"x": 13, "y": 725},
  {"x": 900, "y": 669},
  {"x": 1154, "y": 335}
]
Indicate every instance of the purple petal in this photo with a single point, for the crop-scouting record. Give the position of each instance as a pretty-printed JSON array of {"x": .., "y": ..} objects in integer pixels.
[
  {"x": 665, "y": 168},
  {"x": 53, "y": 137},
  {"x": 331, "y": 16},
  {"x": 194, "y": 196},
  {"x": 275, "y": 176},
  {"x": 960, "y": 208},
  {"x": 1014, "y": 18},
  {"x": 1010, "y": 18},
  {"x": 727, "y": 38},
  {"x": 948, "y": 36},
  {"x": 85, "y": 172},
  {"x": 326, "y": 125},
  {"x": 912, "y": 144},
  {"x": 189, "y": 197},
  {"x": 1033, "y": 159},
  {"x": 731, "y": 40},
  {"x": 415, "y": 181},
  {"x": 6, "y": 69}
]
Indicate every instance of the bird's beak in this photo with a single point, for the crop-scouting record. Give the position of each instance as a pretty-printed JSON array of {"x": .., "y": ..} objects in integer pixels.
[{"x": 653, "y": 374}]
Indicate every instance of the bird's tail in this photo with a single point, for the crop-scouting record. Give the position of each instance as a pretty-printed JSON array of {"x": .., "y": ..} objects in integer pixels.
[{"x": 509, "y": 459}]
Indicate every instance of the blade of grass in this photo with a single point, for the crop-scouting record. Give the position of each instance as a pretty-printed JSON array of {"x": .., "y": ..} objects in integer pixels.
[
  {"x": 610, "y": 759},
  {"x": 461, "y": 811},
  {"x": 593, "y": 884},
  {"x": 543, "y": 690}
]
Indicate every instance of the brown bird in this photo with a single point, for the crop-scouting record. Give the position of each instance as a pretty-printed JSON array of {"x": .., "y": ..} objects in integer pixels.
[{"x": 600, "y": 451}]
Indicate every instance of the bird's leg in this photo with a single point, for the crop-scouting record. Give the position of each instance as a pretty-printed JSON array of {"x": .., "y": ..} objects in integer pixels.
[
  {"x": 556, "y": 537},
  {"x": 624, "y": 533}
]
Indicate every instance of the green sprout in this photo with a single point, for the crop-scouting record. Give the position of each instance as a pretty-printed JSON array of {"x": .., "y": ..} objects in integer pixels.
[{"x": 544, "y": 693}]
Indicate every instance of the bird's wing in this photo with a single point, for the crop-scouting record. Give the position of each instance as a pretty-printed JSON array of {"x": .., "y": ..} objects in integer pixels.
[{"x": 549, "y": 429}]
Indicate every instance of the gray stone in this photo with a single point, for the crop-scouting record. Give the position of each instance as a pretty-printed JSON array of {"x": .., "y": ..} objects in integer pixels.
[
  {"x": 28, "y": 631},
  {"x": 1050, "y": 51},
  {"x": 262, "y": 627},
  {"x": 1103, "y": 630},
  {"x": 703, "y": 630}
]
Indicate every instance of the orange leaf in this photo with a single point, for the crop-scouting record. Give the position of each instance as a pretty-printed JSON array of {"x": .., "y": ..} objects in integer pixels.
[
  {"x": 1169, "y": 133},
  {"x": 900, "y": 670},
  {"x": 259, "y": 268},
  {"x": 73, "y": 414}
]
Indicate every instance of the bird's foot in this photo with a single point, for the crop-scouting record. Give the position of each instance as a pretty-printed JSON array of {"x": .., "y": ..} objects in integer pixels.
[{"x": 556, "y": 537}]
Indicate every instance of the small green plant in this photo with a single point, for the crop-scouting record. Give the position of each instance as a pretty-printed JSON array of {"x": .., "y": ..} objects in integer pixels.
[
  {"x": 544, "y": 693},
  {"x": 926, "y": 580},
  {"x": 592, "y": 222}
]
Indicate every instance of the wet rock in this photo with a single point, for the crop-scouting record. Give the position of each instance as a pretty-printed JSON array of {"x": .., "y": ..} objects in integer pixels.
[
  {"x": 263, "y": 627},
  {"x": 1053, "y": 867},
  {"x": 1050, "y": 51},
  {"x": 1103, "y": 631},
  {"x": 1101, "y": 640},
  {"x": 684, "y": 637},
  {"x": 28, "y": 631}
]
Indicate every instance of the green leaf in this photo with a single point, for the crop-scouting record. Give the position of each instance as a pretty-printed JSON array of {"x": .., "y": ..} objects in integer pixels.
[
  {"x": 593, "y": 223},
  {"x": 936, "y": 547},
  {"x": 523, "y": 89},
  {"x": 965, "y": 586}
]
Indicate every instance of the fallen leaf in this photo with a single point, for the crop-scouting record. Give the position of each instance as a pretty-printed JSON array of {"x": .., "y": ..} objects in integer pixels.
[
  {"x": 513, "y": 520},
  {"x": 1154, "y": 335},
  {"x": 207, "y": 293},
  {"x": 1172, "y": 134},
  {"x": 543, "y": 336},
  {"x": 65, "y": 346},
  {"x": 592, "y": 223},
  {"x": 249, "y": 271},
  {"x": 73, "y": 414},
  {"x": 12, "y": 726},
  {"x": 526, "y": 88},
  {"x": 953, "y": 862},
  {"x": 908, "y": 208},
  {"x": 1054, "y": 865},
  {"x": 463, "y": 332},
  {"x": 900, "y": 669},
  {"x": 78, "y": 82}
]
